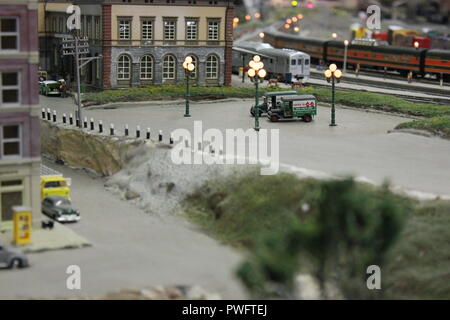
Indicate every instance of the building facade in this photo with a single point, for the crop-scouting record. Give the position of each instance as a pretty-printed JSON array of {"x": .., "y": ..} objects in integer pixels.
[
  {"x": 143, "y": 42},
  {"x": 19, "y": 108}
]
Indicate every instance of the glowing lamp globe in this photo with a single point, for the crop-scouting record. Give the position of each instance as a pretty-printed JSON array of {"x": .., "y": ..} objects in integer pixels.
[
  {"x": 251, "y": 73},
  {"x": 333, "y": 67},
  {"x": 262, "y": 73},
  {"x": 328, "y": 73},
  {"x": 191, "y": 67},
  {"x": 188, "y": 60},
  {"x": 257, "y": 58},
  {"x": 338, "y": 74}
]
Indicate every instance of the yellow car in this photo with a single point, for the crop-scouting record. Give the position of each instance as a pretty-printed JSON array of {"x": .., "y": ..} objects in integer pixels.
[
  {"x": 54, "y": 183},
  {"x": 54, "y": 186}
]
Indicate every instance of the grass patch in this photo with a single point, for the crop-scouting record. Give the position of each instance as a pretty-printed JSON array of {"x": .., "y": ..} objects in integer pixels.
[
  {"x": 418, "y": 266},
  {"x": 437, "y": 125},
  {"x": 165, "y": 92}
]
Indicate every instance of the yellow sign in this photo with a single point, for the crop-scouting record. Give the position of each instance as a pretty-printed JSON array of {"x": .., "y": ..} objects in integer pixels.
[{"x": 22, "y": 225}]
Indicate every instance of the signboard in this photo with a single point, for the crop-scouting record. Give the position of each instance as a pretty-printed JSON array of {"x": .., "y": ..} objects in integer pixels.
[
  {"x": 303, "y": 105},
  {"x": 22, "y": 225}
]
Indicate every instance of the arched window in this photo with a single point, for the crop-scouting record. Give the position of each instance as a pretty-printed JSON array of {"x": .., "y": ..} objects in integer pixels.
[
  {"x": 146, "y": 68},
  {"x": 124, "y": 67},
  {"x": 195, "y": 63},
  {"x": 169, "y": 67},
  {"x": 212, "y": 67}
]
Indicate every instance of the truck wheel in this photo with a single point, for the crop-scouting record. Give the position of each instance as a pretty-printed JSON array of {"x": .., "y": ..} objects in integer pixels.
[
  {"x": 307, "y": 118},
  {"x": 274, "y": 118}
]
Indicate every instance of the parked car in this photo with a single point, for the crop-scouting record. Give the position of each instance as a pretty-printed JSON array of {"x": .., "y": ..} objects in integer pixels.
[
  {"x": 60, "y": 209},
  {"x": 12, "y": 257},
  {"x": 50, "y": 88}
]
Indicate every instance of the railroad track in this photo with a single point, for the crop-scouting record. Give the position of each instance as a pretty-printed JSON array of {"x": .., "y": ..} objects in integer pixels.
[
  {"x": 440, "y": 95},
  {"x": 433, "y": 100}
]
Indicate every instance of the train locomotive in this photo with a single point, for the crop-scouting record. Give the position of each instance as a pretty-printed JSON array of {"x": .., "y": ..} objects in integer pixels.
[
  {"x": 420, "y": 61},
  {"x": 286, "y": 65}
]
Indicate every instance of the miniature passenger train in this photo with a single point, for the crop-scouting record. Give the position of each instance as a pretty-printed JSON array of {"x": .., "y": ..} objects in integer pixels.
[
  {"x": 283, "y": 64},
  {"x": 402, "y": 59}
]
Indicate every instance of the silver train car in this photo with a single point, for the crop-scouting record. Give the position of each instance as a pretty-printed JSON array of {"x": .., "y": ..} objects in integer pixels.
[{"x": 286, "y": 65}]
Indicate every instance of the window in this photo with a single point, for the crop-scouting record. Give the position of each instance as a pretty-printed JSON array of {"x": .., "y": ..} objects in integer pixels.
[
  {"x": 97, "y": 28},
  {"x": 212, "y": 67},
  {"x": 125, "y": 29},
  {"x": 306, "y": 62},
  {"x": 213, "y": 29},
  {"x": 146, "y": 68},
  {"x": 89, "y": 26},
  {"x": 10, "y": 141},
  {"x": 191, "y": 29},
  {"x": 170, "y": 29},
  {"x": 9, "y": 88},
  {"x": 147, "y": 29},
  {"x": 9, "y": 33},
  {"x": 294, "y": 62},
  {"x": 123, "y": 68},
  {"x": 169, "y": 67}
]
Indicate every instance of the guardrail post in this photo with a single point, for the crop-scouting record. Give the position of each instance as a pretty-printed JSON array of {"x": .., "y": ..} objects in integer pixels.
[
  {"x": 138, "y": 132},
  {"x": 160, "y": 137},
  {"x": 148, "y": 134},
  {"x": 111, "y": 129},
  {"x": 100, "y": 126}
]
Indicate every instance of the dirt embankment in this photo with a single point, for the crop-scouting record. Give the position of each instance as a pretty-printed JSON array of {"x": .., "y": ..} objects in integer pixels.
[{"x": 103, "y": 154}]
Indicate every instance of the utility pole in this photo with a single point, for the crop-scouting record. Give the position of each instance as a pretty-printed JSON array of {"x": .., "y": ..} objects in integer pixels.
[{"x": 77, "y": 46}]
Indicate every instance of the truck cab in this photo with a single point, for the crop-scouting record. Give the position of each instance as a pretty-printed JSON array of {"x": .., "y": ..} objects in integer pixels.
[{"x": 271, "y": 99}]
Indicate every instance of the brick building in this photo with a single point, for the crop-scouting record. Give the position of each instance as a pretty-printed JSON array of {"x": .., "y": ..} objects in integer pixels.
[
  {"x": 19, "y": 108},
  {"x": 144, "y": 42}
]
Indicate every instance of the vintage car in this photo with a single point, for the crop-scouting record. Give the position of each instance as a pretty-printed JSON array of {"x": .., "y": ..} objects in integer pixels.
[
  {"x": 60, "y": 209},
  {"x": 12, "y": 258},
  {"x": 50, "y": 88},
  {"x": 292, "y": 107}
]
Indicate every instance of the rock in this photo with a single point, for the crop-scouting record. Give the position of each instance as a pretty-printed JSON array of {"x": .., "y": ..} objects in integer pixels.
[{"x": 131, "y": 195}]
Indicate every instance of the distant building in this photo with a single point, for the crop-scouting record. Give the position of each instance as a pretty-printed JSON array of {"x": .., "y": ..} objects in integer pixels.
[
  {"x": 19, "y": 108},
  {"x": 144, "y": 42}
]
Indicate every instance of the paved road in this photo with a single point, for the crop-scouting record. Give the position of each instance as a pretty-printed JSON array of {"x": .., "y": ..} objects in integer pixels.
[
  {"x": 359, "y": 145},
  {"x": 130, "y": 250}
]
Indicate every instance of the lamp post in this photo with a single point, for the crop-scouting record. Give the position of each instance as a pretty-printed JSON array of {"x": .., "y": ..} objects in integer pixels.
[
  {"x": 257, "y": 73},
  {"x": 333, "y": 75},
  {"x": 189, "y": 67},
  {"x": 346, "y": 43}
]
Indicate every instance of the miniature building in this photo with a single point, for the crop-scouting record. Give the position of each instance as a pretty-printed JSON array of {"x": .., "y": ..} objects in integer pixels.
[
  {"x": 19, "y": 109},
  {"x": 144, "y": 42}
]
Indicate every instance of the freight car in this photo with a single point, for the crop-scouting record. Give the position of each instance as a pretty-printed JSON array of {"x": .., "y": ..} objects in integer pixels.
[{"x": 393, "y": 58}]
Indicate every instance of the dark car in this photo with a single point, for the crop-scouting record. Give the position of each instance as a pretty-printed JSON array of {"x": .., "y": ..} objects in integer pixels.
[
  {"x": 60, "y": 209},
  {"x": 12, "y": 258}
]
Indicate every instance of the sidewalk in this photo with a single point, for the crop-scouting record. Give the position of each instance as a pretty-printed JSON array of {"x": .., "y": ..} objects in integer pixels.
[{"x": 60, "y": 237}]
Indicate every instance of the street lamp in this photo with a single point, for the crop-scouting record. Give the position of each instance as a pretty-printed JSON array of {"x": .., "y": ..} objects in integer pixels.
[
  {"x": 346, "y": 43},
  {"x": 333, "y": 75},
  {"x": 334, "y": 35},
  {"x": 257, "y": 73},
  {"x": 189, "y": 67}
]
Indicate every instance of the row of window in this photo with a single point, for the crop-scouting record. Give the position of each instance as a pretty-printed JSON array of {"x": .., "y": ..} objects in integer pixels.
[
  {"x": 90, "y": 26},
  {"x": 169, "y": 67},
  {"x": 10, "y": 141},
  {"x": 9, "y": 88},
  {"x": 169, "y": 28}
]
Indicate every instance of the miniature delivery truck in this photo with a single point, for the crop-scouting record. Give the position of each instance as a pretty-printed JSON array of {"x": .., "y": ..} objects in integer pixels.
[
  {"x": 53, "y": 183},
  {"x": 291, "y": 107},
  {"x": 271, "y": 99}
]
